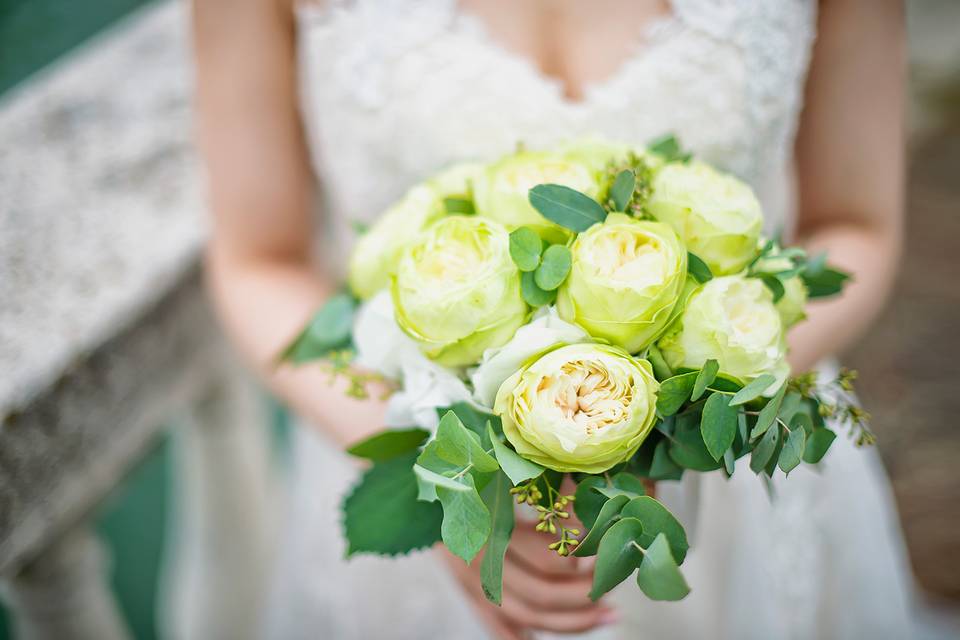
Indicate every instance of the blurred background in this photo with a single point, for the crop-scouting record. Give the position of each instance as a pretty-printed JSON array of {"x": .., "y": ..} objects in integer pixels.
[{"x": 94, "y": 113}]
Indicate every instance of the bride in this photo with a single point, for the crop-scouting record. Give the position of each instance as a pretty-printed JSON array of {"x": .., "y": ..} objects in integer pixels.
[{"x": 338, "y": 107}]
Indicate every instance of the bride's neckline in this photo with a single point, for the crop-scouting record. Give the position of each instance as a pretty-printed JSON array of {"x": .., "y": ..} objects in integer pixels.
[
  {"x": 650, "y": 38},
  {"x": 462, "y": 22}
]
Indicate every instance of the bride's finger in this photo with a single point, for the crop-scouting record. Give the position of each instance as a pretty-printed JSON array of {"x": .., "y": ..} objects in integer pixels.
[
  {"x": 548, "y": 593},
  {"x": 525, "y": 615}
]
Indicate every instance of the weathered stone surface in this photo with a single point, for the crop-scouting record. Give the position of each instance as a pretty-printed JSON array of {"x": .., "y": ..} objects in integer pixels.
[
  {"x": 100, "y": 213},
  {"x": 104, "y": 327}
]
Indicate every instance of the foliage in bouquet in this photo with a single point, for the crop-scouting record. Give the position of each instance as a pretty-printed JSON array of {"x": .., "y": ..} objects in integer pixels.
[{"x": 597, "y": 311}]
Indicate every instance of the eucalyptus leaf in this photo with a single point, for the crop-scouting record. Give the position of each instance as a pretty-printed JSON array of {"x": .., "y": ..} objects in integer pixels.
[
  {"x": 687, "y": 448},
  {"x": 718, "y": 426},
  {"x": 674, "y": 392},
  {"x": 763, "y": 451},
  {"x": 328, "y": 330},
  {"x": 657, "y": 519},
  {"x": 525, "y": 248},
  {"x": 790, "y": 406},
  {"x": 567, "y": 207},
  {"x": 622, "y": 190},
  {"x": 382, "y": 514},
  {"x": 617, "y": 556},
  {"x": 518, "y": 469},
  {"x": 792, "y": 452},
  {"x": 698, "y": 269},
  {"x": 768, "y": 414},
  {"x": 728, "y": 462},
  {"x": 668, "y": 147},
  {"x": 466, "y": 520},
  {"x": 825, "y": 282},
  {"x": 475, "y": 420},
  {"x": 663, "y": 467},
  {"x": 818, "y": 444},
  {"x": 753, "y": 390},
  {"x": 623, "y": 484},
  {"x": 496, "y": 496},
  {"x": 532, "y": 294},
  {"x": 705, "y": 378},
  {"x": 554, "y": 267},
  {"x": 659, "y": 577},
  {"x": 389, "y": 444},
  {"x": 607, "y": 516},
  {"x": 587, "y": 502}
]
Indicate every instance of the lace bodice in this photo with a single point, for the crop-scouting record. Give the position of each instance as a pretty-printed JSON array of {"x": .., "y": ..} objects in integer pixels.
[{"x": 392, "y": 90}]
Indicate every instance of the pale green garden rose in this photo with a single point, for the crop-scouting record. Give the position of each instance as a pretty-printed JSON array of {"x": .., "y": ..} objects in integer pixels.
[
  {"x": 733, "y": 320},
  {"x": 626, "y": 277},
  {"x": 502, "y": 191},
  {"x": 375, "y": 255},
  {"x": 582, "y": 407},
  {"x": 457, "y": 291},
  {"x": 716, "y": 215},
  {"x": 597, "y": 153}
]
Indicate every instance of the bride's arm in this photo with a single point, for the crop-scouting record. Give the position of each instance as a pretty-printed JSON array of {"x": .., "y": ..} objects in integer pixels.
[
  {"x": 850, "y": 165},
  {"x": 265, "y": 286},
  {"x": 259, "y": 267}
]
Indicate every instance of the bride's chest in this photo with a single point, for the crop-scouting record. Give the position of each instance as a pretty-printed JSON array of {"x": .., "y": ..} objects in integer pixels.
[{"x": 405, "y": 87}]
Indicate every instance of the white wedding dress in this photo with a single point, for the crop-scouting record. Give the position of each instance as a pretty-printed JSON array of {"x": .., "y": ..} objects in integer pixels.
[{"x": 394, "y": 90}]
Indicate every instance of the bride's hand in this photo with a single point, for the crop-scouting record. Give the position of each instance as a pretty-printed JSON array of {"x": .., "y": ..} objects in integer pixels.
[{"x": 541, "y": 590}]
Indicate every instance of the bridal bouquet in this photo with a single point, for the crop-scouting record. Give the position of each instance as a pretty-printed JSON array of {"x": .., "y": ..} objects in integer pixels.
[{"x": 597, "y": 311}]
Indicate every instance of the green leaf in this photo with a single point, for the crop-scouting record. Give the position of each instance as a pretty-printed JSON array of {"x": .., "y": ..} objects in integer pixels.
[
  {"x": 661, "y": 370},
  {"x": 622, "y": 190},
  {"x": 768, "y": 414},
  {"x": 567, "y": 207},
  {"x": 382, "y": 514},
  {"x": 329, "y": 330},
  {"x": 663, "y": 467},
  {"x": 426, "y": 490},
  {"x": 496, "y": 496},
  {"x": 698, "y": 269},
  {"x": 705, "y": 378},
  {"x": 475, "y": 420},
  {"x": 460, "y": 206},
  {"x": 587, "y": 502},
  {"x": 607, "y": 516},
  {"x": 790, "y": 406},
  {"x": 554, "y": 267},
  {"x": 525, "y": 248},
  {"x": 466, "y": 520},
  {"x": 818, "y": 444},
  {"x": 753, "y": 390},
  {"x": 389, "y": 444},
  {"x": 518, "y": 469},
  {"x": 792, "y": 452},
  {"x": 623, "y": 484},
  {"x": 532, "y": 294},
  {"x": 687, "y": 448},
  {"x": 617, "y": 556},
  {"x": 438, "y": 480},
  {"x": 657, "y": 519},
  {"x": 669, "y": 149},
  {"x": 775, "y": 286},
  {"x": 825, "y": 282},
  {"x": 718, "y": 426},
  {"x": 728, "y": 462},
  {"x": 763, "y": 451},
  {"x": 742, "y": 427},
  {"x": 674, "y": 392},
  {"x": 458, "y": 445},
  {"x": 659, "y": 577}
]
